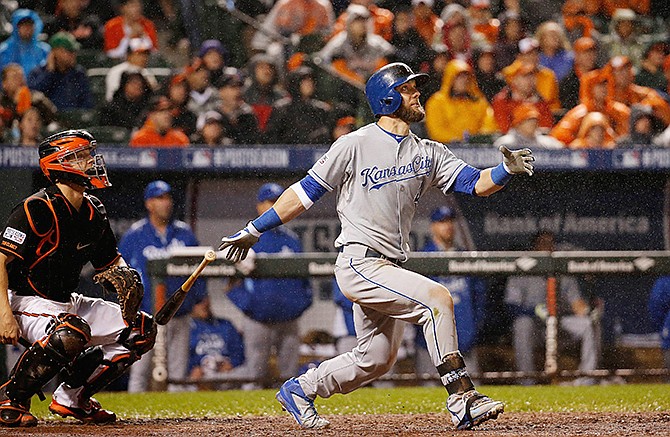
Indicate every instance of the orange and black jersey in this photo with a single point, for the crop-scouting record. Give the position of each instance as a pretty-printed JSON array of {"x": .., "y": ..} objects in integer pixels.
[{"x": 52, "y": 241}]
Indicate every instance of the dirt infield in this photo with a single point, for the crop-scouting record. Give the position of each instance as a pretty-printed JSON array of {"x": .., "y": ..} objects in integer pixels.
[{"x": 509, "y": 424}]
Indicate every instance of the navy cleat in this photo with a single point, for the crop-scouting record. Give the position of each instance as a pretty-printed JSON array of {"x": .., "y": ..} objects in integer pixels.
[{"x": 294, "y": 400}]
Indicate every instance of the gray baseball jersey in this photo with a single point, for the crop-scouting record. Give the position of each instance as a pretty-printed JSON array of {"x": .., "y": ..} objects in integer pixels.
[{"x": 380, "y": 182}]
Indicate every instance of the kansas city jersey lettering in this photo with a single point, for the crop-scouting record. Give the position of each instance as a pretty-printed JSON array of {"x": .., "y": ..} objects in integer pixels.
[{"x": 375, "y": 177}]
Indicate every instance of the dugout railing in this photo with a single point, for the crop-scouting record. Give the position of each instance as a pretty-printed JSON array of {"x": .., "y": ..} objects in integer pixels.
[{"x": 474, "y": 263}]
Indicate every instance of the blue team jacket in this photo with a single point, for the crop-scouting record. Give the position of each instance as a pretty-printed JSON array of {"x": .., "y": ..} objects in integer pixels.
[
  {"x": 142, "y": 243},
  {"x": 213, "y": 340},
  {"x": 273, "y": 300},
  {"x": 659, "y": 309}
]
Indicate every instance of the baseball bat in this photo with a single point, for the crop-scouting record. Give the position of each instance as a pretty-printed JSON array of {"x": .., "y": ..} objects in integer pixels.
[{"x": 173, "y": 303}]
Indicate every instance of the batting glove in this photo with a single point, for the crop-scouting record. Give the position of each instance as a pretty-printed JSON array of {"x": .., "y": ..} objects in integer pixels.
[
  {"x": 518, "y": 161},
  {"x": 240, "y": 243}
]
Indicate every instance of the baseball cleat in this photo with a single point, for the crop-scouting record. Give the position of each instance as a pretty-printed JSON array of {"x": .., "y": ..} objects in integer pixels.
[
  {"x": 294, "y": 400},
  {"x": 472, "y": 408},
  {"x": 92, "y": 413},
  {"x": 13, "y": 414}
]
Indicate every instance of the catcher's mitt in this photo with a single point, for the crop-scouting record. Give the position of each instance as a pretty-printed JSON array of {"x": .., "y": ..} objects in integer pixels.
[{"x": 127, "y": 284}]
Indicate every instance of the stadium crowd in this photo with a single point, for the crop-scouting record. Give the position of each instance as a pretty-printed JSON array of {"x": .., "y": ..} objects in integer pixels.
[{"x": 557, "y": 74}]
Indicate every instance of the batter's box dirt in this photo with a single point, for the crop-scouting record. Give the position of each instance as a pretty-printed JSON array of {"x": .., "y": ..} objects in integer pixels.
[{"x": 509, "y": 424}]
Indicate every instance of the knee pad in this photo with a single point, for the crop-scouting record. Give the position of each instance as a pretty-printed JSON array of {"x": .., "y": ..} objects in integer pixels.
[
  {"x": 141, "y": 336},
  {"x": 67, "y": 338}
]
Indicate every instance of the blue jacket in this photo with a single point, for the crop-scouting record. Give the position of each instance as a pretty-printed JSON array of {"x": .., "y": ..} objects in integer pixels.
[
  {"x": 69, "y": 90},
  {"x": 347, "y": 308},
  {"x": 469, "y": 296},
  {"x": 273, "y": 300},
  {"x": 28, "y": 54},
  {"x": 142, "y": 243},
  {"x": 659, "y": 309},
  {"x": 214, "y": 340}
]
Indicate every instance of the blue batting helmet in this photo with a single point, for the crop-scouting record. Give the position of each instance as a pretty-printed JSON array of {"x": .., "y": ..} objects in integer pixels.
[{"x": 381, "y": 87}]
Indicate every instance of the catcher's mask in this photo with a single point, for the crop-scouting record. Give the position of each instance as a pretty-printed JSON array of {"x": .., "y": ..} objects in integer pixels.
[{"x": 70, "y": 156}]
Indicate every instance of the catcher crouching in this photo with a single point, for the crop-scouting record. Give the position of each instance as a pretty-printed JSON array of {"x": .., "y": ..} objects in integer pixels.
[{"x": 48, "y": 238}]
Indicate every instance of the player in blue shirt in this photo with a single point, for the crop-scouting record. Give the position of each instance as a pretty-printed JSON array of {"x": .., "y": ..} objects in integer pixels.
[
  {"x": 152, "y": 238},
  {"x": 272, "y": 306}
]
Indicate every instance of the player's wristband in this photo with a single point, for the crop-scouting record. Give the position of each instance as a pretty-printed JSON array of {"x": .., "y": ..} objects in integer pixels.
[
  {"x": 500, "y": 174},
  {"x": 268, "y": 220}
]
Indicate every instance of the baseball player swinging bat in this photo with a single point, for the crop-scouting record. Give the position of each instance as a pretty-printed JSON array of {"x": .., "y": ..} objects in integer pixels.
[{"x": 173, "y": 303}]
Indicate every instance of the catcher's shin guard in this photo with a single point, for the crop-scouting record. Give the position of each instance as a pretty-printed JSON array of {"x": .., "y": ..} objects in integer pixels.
[
  {"x": 93, "y": 372},
  {"x": 45, "y": 358}
]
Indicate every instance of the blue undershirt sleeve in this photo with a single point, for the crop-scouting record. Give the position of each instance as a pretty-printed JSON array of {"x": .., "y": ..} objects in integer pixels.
[
  {"x": 313, "y": 189},
  {"x": 466, "y": 180}
]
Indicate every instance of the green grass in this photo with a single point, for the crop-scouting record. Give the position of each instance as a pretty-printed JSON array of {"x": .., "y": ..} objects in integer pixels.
[{"x": 406, "y": 400}]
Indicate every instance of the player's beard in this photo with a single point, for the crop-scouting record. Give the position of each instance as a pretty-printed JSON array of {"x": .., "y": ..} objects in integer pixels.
[{"x": 410, "y": 114}]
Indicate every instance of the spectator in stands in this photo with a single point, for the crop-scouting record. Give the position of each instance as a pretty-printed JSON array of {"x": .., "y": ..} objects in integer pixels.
[
  {"x": 659, "y": 312},
  {"x": 555, "y": 51},
  {"x": 578, "y": 20},
  {"x": 525, "y": 297},
  {"x": 210, "y": 131},
  {"x": 438, "y": 63},
  {"x": 381, "y": 20},
  {"x": 61, "y": 79},
  {"x": 643, "y": 127},
  {"x": 425, "y": 21},
  {"x": 136, "y": 61},
  {"x": 510, "y": 33},
  {"x": 468, "y": 294},
  {"x": 16, "y": 98},
  {"x": 129, "y": 24},
  {"x": 594, "y": 133},
  {"x": 666, "y": 72},
  {"x": 622, "y": 89},
  {"x": 239, "y": 120},
  {"x": 158, "y": 130},
  {"x": 545, "y": 79},
  {"x": 71, "y": 17},
  {"x": 623, "y": 39},
  {"x": 305, "y": 18},
  {"x": 459, "y": 95},
  {"x": 30, "y": 128},
  {"x": 216, "y": 347},
  {"x": 129, "y": 102},
  {"x": 586, "y": 54},
  {"x": 456, "y": 32},
  {"x": 488, "y": 77},
  {"x": 410, "y": 47},
  {"x": 521, "y": 88},
  {"x": 263, "y": 89},
  {"x": 343, "y": 126},
  {"x": 525, "y": 131},
  {"x": 22, "y": 47},
  {"x": 272, "y": 306},
  {"x": 356, "y": 53},
  {"x": 152, "y": 238},
  {"x": 482, "y": 21},
  {"x": 594, "y": 97},
  {"x": 650, "y": 73},
  {"x": 178, "y": 93},
  {"x": 213, "y": 56},
  {"x": 300, "y": 118},
  {"x": 202, "y": 96}
]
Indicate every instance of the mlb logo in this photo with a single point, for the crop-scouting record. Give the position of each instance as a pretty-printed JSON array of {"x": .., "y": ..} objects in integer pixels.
[
  {"x": 323, "y": 160},
  {"x": 14, "y": 235}
]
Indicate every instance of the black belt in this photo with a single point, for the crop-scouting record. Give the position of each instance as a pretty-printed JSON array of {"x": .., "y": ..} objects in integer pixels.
[{"x": 371, "y": 253}]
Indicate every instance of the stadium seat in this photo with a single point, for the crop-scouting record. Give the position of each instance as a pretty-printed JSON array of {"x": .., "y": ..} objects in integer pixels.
[
  {"x": 96, "y": 77},
  {"x": 77, "y": 118},
  {"x": 91, "y": 58},
  {"x": 110, "y": 134}
]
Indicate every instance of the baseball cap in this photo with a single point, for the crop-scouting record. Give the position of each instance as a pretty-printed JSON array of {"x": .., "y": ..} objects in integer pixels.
[
  {"x": 211, "y": 44},
  {"x": 482, "y": 4},
  {"x": 231, "y": 77},
  {"x": 584, "y": 44},
  {"x": 355, "y": 12},
  {"x": 269, "y": 191},
  {"x": 64, "y": 40},
  {"x": 442, "y": 213},
  {"x": 156, "y": 188},
  {"x": 518, "y": 68},
  {"x": 624, "y": 14},
  {"x": 428, "y": 3},
  {"x": 524, "y": 112},
  {"x": 136, "y": 45},
  {"x": 528, "y": 44}
]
